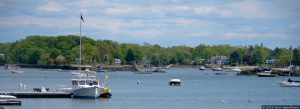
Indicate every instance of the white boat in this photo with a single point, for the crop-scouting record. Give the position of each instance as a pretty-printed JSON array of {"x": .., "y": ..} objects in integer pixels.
[
  {"x": 236, "y": 70},
  {"x": 169, "y": 66},
  {"x": 175, "y": 82},
  {"x": 87, "y": 86},
  {"x": 289, "y": 84},
  {"x": 7, "y": 97},
  {"x": 265, "y": 74},
  {"x": 202, "y": 68},
  {"x": 87, "y": 70},
  {"x": 17, "y": 71},
  {"x": 217, "y": 69}
]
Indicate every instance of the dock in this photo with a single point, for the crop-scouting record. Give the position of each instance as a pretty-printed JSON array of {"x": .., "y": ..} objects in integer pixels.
[
  {"x": 38, "y": 94},
  {"x": 10, "y": 102}
]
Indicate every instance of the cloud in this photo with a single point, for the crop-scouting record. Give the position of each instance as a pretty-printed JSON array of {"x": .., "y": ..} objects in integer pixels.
[
  {"x": 205, "y": 10},
  {"x": 256, "y": 9},
  {"x": 124, "y": 10},
  {"x": 254, "y": 36},
  {"x": 51, "y": 6},
  {"x": 92, "y": 1},
  {"x": 295, "y": 25}
]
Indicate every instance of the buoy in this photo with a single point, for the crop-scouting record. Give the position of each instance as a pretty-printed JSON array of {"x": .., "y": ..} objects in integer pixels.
[
  {"x": 138, "y": 82},
  {"x": 223, "y": 101},
  {"x": 106, "y": 90}
]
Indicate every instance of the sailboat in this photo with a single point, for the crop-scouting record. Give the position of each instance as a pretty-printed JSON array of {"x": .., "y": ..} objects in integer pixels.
[
  {"x": 16, "y": 69},
  {"x": 88, "y": 86},
  {"x": 289, "y": 82}
]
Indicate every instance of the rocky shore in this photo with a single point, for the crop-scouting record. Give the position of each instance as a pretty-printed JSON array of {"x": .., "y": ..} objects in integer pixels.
[{"x": 273, "y": 71}]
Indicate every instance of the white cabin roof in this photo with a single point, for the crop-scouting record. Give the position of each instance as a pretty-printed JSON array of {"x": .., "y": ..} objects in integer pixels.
[{"x": 175, "y": 80}]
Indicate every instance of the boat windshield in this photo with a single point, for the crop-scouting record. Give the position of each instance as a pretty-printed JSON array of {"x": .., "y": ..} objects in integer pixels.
[
  {"x": 95, "y": 83},
  {"x": 81, "y": 82},
  {"x": 92, "y": 83}
]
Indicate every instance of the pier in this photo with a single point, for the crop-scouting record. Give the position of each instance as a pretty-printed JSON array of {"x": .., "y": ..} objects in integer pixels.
[
  {"x": 38, "y": 94},
  {"x": 10, "y": 102}
]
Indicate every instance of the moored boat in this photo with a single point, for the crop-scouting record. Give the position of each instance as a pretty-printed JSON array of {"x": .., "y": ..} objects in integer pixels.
[
  {"x": 7, "y": 97},
  {"x": 289, "y": 83},
  {"x": 17, "y": 71},
  {"x": 265, "y": 74},
  {"x": 88, "y": 87},
  {"x": 217, "y": 69},
  {"x": 175, "y": 82},
  {"x": 202, "y": 68}
]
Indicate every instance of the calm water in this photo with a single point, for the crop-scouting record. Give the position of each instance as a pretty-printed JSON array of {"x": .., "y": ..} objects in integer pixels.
[{"x": 199, "y": 90}]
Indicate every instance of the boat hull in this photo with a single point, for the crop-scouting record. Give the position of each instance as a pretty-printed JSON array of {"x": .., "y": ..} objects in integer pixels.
[
  {"x": 88, "y": 92},
  {"x": 217, "y": 69},
  {"x": 17, "y": 71},
  {"x": 289, "y": 84},
  {"x": 7, "y": 97},
  {"x": 265, "y": 75}
]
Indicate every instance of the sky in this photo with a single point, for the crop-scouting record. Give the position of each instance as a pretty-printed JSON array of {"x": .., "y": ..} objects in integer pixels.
[{"x": 275, "y": 23}]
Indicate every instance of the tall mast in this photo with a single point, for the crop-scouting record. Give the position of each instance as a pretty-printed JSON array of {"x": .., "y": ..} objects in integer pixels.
[
  {"x": 80, "y": 42},
  {"x": 291, "y": 57},
  {"x": 290, "y": 67}
]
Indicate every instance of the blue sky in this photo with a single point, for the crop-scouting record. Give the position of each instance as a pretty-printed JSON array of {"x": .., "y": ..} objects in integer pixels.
[{"x": 165, "y": 22}]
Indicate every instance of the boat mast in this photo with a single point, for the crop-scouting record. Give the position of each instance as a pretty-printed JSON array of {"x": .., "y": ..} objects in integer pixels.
[
  {"x": 79, "y": 68},
  {"x": 290, "y": 67}
]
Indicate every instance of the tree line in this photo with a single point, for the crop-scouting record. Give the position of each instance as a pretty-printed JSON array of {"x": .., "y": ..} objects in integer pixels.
[{"x": 64, "y": 50}]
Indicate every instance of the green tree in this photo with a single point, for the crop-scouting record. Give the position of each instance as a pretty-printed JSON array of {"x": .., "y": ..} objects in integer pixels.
[
  {"x": 234, "y": 58},
  {"x": 130, "y": 56}
]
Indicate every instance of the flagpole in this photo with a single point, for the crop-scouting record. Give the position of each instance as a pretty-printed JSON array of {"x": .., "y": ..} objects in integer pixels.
[{"x": 80, "y": 43}]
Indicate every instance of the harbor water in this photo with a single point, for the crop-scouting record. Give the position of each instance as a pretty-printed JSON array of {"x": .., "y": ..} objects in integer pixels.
[{"x": 198, "y": 90}]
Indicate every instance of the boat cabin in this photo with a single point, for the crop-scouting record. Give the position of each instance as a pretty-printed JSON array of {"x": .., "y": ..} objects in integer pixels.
[
  {"x": 175, "y": 82},
  {"x": 84, "y": 83}
]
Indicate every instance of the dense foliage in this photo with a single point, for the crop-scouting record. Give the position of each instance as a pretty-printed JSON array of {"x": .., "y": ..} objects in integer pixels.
[{"x": 64, "y": 50}]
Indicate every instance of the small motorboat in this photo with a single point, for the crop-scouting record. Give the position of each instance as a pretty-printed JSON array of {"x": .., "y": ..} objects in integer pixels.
[
  {"x": 7, "y": 97},
  {"x": 175, "y": 82},
  {"x": 265, "y": 74},
  {"x": 202, "y": 68},
  {"x": 217, "y": 69},
  {"x": 236, "y": 70},
  {"x": 17, "y": 71}
]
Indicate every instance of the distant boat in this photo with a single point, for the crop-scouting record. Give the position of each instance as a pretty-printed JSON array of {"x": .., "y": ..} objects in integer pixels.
[
  {"x": 217, "y": 69},
  {"x": 265, "y": 74},
  {"x": 289, "y": 82},
  {"x": 7, "y": 97},
  {"x": 202, "y": 68},
  {"x": 169, "y": 66},
  {"x": 87, "y": 70},
  {"x": 235, "y": 69},
  {"x": 16, "y": 70},
  {"x": 175, "y": 82},
  {"x": 157, "y": 70}
]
